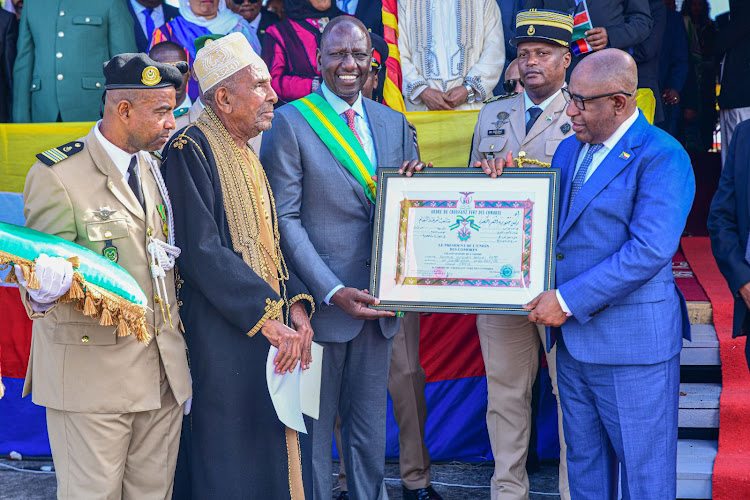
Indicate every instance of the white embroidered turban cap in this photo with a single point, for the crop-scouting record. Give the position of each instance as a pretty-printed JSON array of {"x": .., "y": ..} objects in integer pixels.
[{"x": 220, "y": 59}]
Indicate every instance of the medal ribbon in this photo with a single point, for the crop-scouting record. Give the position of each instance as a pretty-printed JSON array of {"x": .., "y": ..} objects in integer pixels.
[{"x": 339, "y": 139}]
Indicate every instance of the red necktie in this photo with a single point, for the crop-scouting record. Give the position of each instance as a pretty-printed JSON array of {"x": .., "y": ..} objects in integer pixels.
[{"x": 349, "y": 114}]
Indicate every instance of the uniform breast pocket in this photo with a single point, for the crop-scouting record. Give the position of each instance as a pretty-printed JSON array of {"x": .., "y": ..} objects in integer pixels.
[
  {"x": 550, "y": 146},
  {"x": 84, "y": 333},
  {"x": 491, "y": 147},
  {"x": 36, "y": 85},
  {"x": 92, "y": 82},
  {"x": 88, "y": 20},
  {"x": 107, "y": 230}
]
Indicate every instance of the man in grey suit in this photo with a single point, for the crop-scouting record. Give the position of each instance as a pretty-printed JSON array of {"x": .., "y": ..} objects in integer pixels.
[{"x": 324, "y": 203}]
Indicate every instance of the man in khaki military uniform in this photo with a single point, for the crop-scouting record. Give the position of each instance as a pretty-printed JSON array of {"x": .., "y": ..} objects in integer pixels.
[
  {"x": 114, "y": 404},
  {"x": 530, "y": 123}
]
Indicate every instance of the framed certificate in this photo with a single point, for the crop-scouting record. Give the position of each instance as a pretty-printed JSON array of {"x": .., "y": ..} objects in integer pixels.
[{"x": 456, "y": 240}]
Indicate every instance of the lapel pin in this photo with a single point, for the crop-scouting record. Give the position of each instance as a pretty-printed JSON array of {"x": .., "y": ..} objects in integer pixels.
[
  {"x": 549, "y": 118},
  {"x": 624, "y": 155}
]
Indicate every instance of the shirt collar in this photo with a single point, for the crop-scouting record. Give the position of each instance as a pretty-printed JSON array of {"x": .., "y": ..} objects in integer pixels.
[
  {"x": 255, "y": 23},
  {"x": 138, "y": 8},
  {"x": 339, "y": 105},
  {"x": 614, "y": 138},
  {"x": 120, "y": 158},
  {"x": 185, "y": 104},
  {"x": 542, "y": 105}
]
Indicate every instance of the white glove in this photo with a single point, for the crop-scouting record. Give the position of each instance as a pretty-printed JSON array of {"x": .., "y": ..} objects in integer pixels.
[{"x": 55, "y": 276}]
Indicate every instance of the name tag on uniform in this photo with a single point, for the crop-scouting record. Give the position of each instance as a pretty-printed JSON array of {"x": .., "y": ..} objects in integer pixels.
[{"x": 496, "y": 132}]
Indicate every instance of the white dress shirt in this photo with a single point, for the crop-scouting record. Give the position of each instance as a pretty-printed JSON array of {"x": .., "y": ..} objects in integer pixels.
[
  {"x": 362, "y": 126},
  {"x": 120, "y": 158},
  {"x": 157, "y": 16},
  {"x": 542, "y": 105},
  {"x": 598, "y": 158},
  {"x": 255, "y": 23}
]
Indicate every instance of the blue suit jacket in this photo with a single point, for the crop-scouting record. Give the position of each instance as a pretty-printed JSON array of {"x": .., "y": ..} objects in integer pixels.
[{"x": 615, "y": 245}]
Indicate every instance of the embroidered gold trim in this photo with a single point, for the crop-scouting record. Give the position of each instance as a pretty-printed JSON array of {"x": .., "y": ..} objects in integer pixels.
[
  {"x": 273, "y": 311},
  {"x": 304, "y": 296}
]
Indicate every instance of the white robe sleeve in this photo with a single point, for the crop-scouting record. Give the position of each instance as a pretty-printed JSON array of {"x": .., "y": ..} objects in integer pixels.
[{"x": 486, "y": 72}]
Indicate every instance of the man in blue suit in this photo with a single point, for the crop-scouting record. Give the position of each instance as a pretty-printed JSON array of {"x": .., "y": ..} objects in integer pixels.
[{"x": 617, "y": 315}]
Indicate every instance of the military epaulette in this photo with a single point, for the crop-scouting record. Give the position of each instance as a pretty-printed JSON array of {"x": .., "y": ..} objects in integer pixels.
[
  {"x": 60, "y": 153},
  {"x": 179, "y": 112},
  {"x": 499, "y": 97},
  {"x": 157, "y": 155}
]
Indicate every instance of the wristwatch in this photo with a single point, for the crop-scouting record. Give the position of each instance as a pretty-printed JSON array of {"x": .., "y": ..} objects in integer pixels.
[{"x": 470, "y": 97}]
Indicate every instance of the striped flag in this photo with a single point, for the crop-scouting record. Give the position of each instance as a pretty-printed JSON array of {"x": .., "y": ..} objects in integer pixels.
[
  {"x": 581, "y": 24},
  {"x": 392, "y": 87}
]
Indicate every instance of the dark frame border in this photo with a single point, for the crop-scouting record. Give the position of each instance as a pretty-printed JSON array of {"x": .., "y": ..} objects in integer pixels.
[{"x": 457, "y": 307}]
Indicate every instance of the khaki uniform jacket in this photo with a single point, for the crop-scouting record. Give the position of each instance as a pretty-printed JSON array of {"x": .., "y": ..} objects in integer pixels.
[
  {"x": 495, "y": 135},
  {"x": 75, "y": 364}
]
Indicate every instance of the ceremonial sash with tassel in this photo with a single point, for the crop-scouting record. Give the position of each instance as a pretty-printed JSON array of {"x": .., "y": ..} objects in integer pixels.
[{"x": 339, "y": 139}]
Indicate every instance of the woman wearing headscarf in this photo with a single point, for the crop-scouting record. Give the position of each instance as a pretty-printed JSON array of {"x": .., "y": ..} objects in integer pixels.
[
  {"x": 289, "y": 47},
  {"x": 198, "y": 18}
]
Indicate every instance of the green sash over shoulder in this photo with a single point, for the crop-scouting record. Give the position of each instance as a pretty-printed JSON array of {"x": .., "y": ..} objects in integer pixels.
[{"x": 339, "y": 139}]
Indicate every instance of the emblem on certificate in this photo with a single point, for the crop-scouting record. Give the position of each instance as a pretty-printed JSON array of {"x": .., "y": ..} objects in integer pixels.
[{"x": 455, "y": 240}]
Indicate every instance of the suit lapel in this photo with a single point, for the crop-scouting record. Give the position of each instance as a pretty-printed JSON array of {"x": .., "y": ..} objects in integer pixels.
[
  {"x": 546, "y": 119},
  {"x": 618, "y": 158},
  {"x": 567, "y": 181},
  {"x": 115, "y": 180}
]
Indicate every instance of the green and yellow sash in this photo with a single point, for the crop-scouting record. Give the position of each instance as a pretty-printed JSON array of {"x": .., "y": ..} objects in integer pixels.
[{"x": 339, "y": 139}]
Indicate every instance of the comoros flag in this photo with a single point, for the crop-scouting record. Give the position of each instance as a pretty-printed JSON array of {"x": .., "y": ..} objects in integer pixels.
[{"x": 581, "y": 24}]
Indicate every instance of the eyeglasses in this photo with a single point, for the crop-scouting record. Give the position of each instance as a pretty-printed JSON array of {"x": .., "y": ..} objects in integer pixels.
[
  {"x": 240, "y": 2},
  {"x": 580, "y": 101},
  {"x": 509, "y": 86}
]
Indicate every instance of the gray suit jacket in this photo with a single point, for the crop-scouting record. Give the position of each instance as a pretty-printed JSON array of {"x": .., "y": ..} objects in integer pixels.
[{"x": 324, "y": 215}]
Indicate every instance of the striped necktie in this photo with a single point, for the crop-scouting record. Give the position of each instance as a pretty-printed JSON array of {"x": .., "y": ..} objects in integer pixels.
[{"x": 580, "y": 177}]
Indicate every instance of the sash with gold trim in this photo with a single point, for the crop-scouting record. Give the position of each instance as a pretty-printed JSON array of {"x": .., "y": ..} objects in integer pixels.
[{"x": 339, "y": 139}]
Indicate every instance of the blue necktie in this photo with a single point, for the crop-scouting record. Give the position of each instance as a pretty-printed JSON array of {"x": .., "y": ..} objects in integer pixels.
[
  {"x": 345, "y": 7},
  {"x": 534, "y": 113},
  {"x": 580, "y": 177},
  {"x": 149, "y": 25}
]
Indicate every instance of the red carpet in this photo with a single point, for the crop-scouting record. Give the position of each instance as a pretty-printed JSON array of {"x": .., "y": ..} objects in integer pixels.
[{"x": 731, "y": 478}]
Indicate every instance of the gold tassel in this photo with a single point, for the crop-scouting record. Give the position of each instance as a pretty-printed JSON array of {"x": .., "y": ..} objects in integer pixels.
[
  {"x": 25, "y": 272},
  {"x": 142, "y": 334},
  {"x": 122, "y": 328},
  {"x": 33, "y": 281},
  {"x": 89, "y": 309},
  {"x": 75, "y": 261},
  {"x": 79, "y": 305},
  {"x": 169, "y": 314},
  {"x": 11, "y": 277},
  {"x": 76, "y": 291},
  {"x": 106, "y": 319}
]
